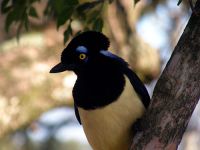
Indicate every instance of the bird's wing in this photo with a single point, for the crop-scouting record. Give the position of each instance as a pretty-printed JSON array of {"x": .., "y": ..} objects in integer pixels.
[
  {"x": 138, "y": 86},
  {"x": 77, "y": 113}
]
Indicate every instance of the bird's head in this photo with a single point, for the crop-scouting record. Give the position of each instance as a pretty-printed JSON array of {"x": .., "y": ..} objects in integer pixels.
[{"x": 82, "y": 50}]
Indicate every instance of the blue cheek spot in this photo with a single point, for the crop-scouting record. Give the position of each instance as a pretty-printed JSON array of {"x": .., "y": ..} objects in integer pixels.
[{"x": 82, "y": 49}]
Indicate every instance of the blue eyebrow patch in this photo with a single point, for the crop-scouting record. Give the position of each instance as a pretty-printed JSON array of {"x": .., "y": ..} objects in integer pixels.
[
  {"x": 81, "y": 49},
  {"x": 108, "y": 54}
]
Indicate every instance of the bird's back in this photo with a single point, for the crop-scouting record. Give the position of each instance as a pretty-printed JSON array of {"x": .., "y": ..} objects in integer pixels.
[{"x": 110, "y": 127}]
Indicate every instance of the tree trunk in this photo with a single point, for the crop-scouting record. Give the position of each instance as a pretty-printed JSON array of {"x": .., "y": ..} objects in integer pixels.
[{"x": 176, "y": 94}]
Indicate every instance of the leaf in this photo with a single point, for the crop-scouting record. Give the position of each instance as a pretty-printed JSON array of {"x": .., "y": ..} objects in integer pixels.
[
  {"x": 179, "y": 2},
  {"x": 92, "y": 16},
  {"x": 4, "y": 6},
  {"x": 110, "y": 1},
  {"x": 64, "y": 16},
  {"x": 98, "y": 25},
  {"x": 57, "y": 5},
  {"x": 11, "y": 17},
  {"x": 19, "y": 28},
  {"x": 26, "y": 22},
  {"x": 32, "y": 1},
  {"x": 72, "y": 2},
  {"x": 32, "y": 12},
  {"x": 136, "y": 1},
  {"x": 67, "y": 33},
  {"x": 18, "y": 14},
  {"x": 48, "y": 10},
  {"x": 60, "y": 5},
  {"x": 6, "y": 9},
  {"x": 87, "y": 5}
]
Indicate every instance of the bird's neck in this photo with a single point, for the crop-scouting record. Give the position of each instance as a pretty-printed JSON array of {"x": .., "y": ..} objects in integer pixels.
[{"x": 98, "y": 86}]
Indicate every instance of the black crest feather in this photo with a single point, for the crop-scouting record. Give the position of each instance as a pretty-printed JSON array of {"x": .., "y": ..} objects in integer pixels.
[{"x": 95, "y": 41}]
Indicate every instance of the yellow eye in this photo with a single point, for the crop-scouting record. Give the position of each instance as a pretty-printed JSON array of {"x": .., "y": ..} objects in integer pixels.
[{"x": 82, "y": 56}]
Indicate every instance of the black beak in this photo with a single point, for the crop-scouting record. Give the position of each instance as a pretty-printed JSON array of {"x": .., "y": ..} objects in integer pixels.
[{"x": 58, "y": 68}]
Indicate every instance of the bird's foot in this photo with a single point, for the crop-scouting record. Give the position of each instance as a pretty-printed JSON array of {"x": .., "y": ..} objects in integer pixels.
[{"x": 137, "y": 126}]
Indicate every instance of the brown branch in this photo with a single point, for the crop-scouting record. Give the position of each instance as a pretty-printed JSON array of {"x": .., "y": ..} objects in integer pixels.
[{"x": 176, "y": 94}]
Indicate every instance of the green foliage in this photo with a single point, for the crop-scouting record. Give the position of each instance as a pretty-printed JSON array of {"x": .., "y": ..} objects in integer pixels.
[
  {"x": 98, "y": 24},
  {"x": 32, "y": 12},
  {"x": 18, "y": 13},
  {"x": 67, "y": 33}
]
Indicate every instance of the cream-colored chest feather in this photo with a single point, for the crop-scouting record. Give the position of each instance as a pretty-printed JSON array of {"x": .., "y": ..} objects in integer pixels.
[{"x": 109, "y": 128}]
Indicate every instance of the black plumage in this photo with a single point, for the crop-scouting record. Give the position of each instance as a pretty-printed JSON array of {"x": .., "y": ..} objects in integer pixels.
[{"x": 101, "y": 80}]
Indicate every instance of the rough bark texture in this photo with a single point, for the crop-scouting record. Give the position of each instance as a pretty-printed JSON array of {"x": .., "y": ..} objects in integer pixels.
[{"x": 176, "y": 94}]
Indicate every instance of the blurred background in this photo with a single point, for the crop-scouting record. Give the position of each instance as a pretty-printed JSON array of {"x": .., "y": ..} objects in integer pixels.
[{"x": 36, "y": 108}]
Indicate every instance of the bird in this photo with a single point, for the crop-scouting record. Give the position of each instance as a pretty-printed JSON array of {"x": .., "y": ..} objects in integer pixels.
[{"x": 108, "y": 96}]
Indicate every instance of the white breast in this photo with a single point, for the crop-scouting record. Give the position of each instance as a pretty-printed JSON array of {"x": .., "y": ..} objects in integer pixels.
[{"x": 109, "y": 128}]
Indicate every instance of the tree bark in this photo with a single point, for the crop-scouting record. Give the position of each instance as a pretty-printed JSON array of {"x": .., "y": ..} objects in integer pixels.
[{"x": 176, "y": 94}]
